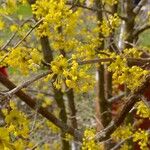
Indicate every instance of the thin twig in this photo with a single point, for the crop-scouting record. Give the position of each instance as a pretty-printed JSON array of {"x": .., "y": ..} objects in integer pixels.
[
  {"x": 9, "y": 41},
  {"x": 130, "y": 61},
  {"x": 121, "y": 143},
  {"x": 26, "y": 83},
  {"x": 94, "y": 9},
  {"x": 141, "y": 29},
  {"x": 137, "y": 9},
  {"x": 14, "y": 34},
  {"x": 116, "y": 98},
  {"x": 93, "y": 61},
  {"x": 27, "y": 34}
]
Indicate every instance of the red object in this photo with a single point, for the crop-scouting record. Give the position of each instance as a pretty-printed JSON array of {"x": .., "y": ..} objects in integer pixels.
[
  {"x": 147, "y": 94},
  {"x": 145, "y": 125},
  {"x": 3, "y": 70},
  {"x": 121, "y": 87}
]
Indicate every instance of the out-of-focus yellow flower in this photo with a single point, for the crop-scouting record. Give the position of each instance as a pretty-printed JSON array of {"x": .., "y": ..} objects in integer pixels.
[
  {"x": 13, "y": 28},
  {"x": 2, "y": 24},
  {"x": 5, "y": 139},
  {"x": 14, "y": 117}
]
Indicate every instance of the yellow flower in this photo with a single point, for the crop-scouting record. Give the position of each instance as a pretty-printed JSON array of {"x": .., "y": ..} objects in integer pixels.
[
  {"x": 14, "y": 117},
  {"x": 142, "y": 110},
  {"x": 2, "y": 24},
  {"x": 88, "y": 140},
  {"x": 5, "y": 139},
  {"x": 59, "y": 64},
  {"x": 142, "y": 137},
  {"x": 19, "y": 145},
  {"x": 13, "y": 28}
]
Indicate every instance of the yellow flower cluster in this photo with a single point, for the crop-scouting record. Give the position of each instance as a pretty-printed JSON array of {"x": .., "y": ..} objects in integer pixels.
[
  {"x": 88, "y": 140},
  {"x": 142, "y": 137},
  {"x": 15, "y": 133},
  {"x": 110, "y": 2},
  {"x": 24, "y": 59},
  {"x": 71, "y": 74},
  {"x": 114, "y": 21},
  {"x": 2, "y": 24},
  {"x": 123, "y": 74},
  {"x": 13, "y": 28},
  {"x": 109, "y": 24},
  {"x": 78, "y": 78},
  {"x": 46, "y": 102},
  {"x": 122, "y": 132},
  {"x": 132, "y": 52},
  {"x": 68, "y": 137},
  {"x": 126, "y": 146},
  {"x": 52, "y": 127},
  {"x": 142, "y": 110},
  {"x": 66, "y": 29},
  {"x": 17, "y": 122},
  {"x": 67, "y": 32},
  {"x": 59, "y": 24},
  {"x": 125, "y": 132},
  {"x": 87, "y": 51},
  {"x": 54, "y": 12}
]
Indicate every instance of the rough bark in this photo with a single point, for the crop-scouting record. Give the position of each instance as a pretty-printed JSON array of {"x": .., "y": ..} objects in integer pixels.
[{"x": 102, "y": 107}]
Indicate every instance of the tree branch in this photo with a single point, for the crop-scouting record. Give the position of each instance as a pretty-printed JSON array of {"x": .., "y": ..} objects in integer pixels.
[
  {"x": 14, "y": 34},
  {"x": 130, "y": 61},
  {"x": 137, "y": 32},
  {"x": 25, "y": 84},
  {"x": 31, "y": 102},
  {"x": 94, "y": 9},
  {"x": 132, "y": 99},
  {"x": 137, "y": 9},
  {"x": 121, "y": 143},
  {"x": 116, "y": 98},
  {"x": 27, "y": 34}
]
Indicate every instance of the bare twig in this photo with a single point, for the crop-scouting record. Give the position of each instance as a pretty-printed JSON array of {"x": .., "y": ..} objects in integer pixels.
[
  {"x": 9, "y": 41},
  {"x": 116, "y": 98},
  {"x": 94, "y": 9},
  {"x": 121, "y": 143},
  {"x": 34, "y": 120},
  {"x": 145, "y": 101},
  {"x": 93, "y": 61},
  {"x": 27, "y": 34},
  {"x": 137, "y": 9},
  {"x": 26, "y": 83},
  {"x": 130, "y": 61},
  {"x": 14, "y": 34},
  {"x": 141, "y": 29}
]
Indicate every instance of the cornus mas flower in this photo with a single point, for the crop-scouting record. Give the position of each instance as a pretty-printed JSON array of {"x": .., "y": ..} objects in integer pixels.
[{"x": 4, "y": 139}]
